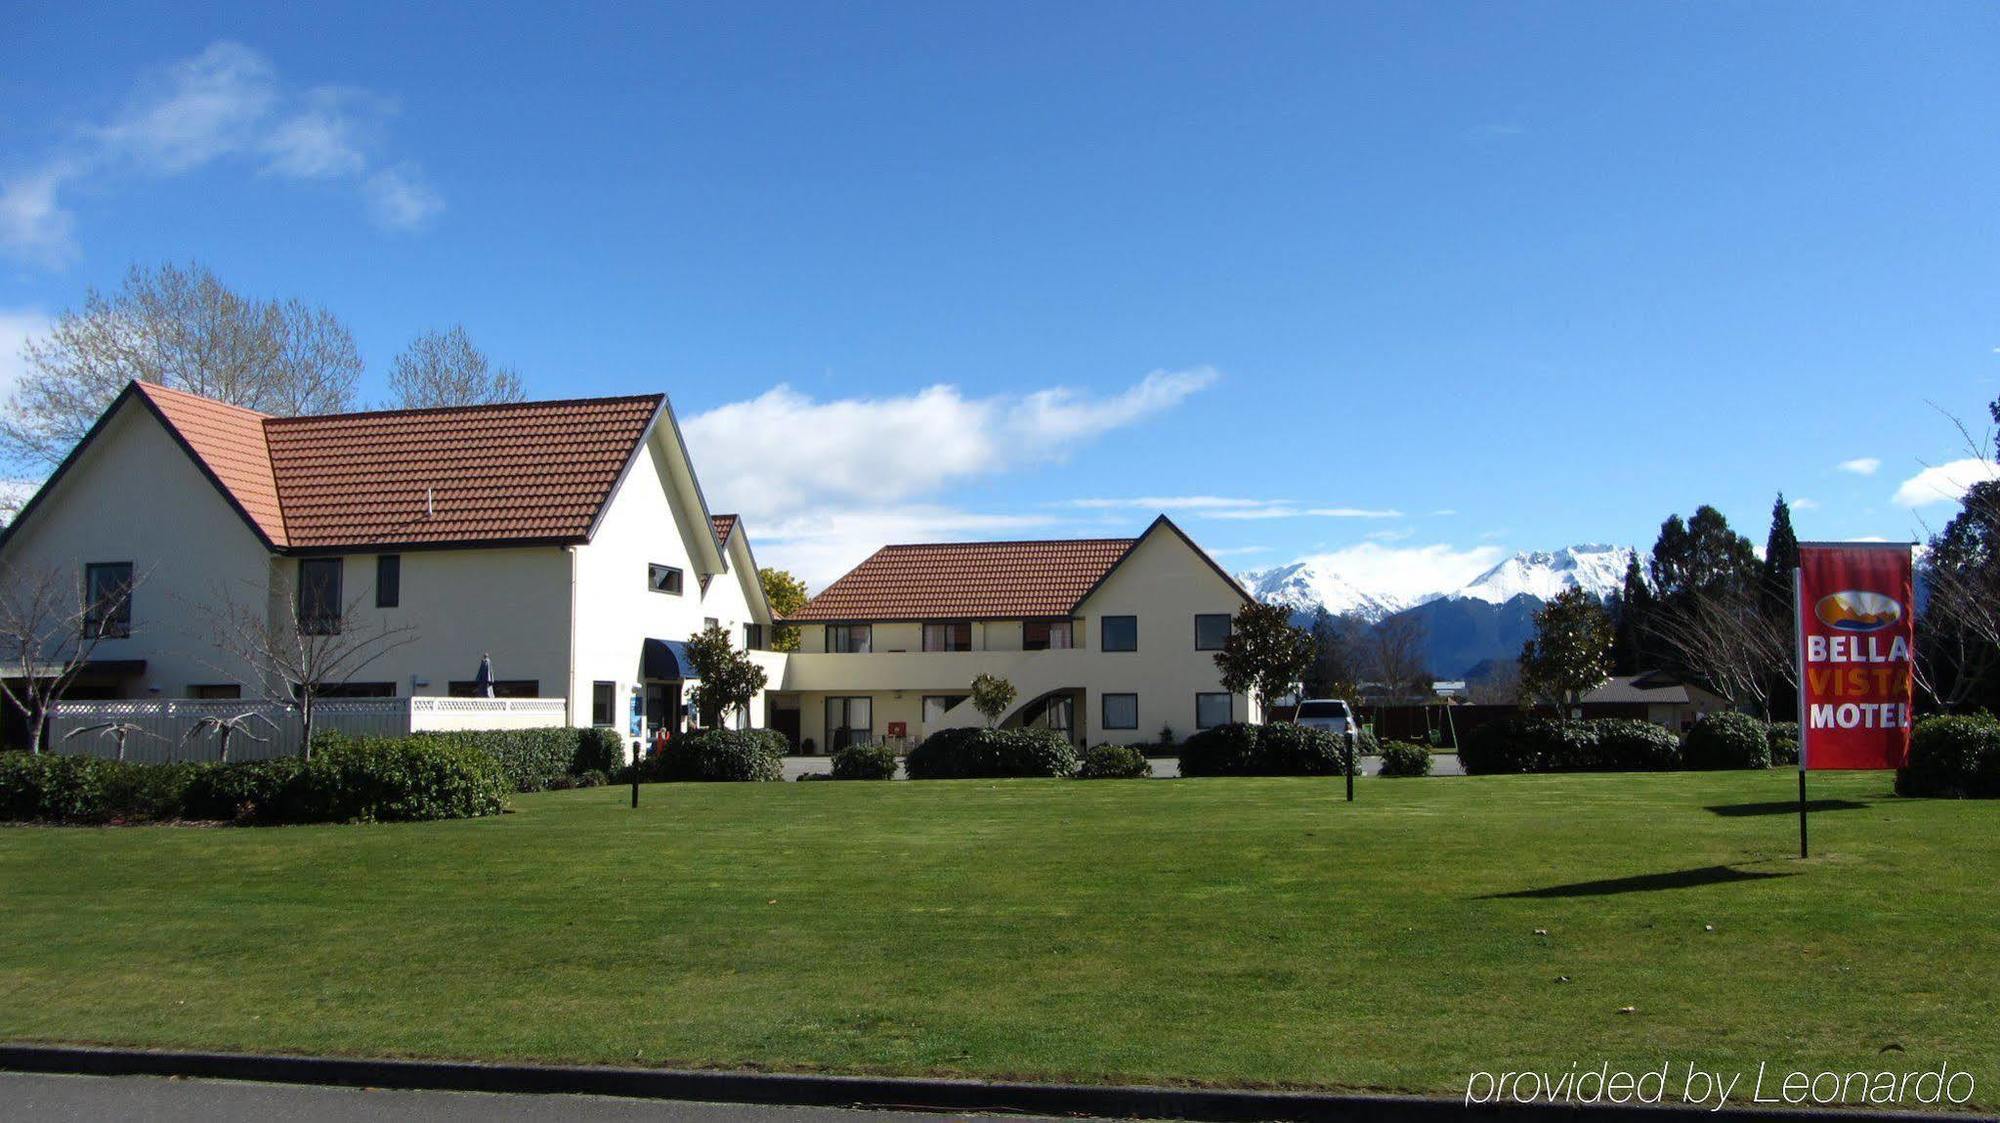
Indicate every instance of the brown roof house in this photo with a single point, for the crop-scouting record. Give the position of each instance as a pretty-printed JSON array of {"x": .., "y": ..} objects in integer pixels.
[
  {"x": 1660, "y": 697},
  {"x": 567, "y": 540},
  {"x": 1108, "y": 639}
]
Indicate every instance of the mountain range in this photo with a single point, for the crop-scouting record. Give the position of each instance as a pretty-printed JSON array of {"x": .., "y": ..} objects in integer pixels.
[{"x": 1485, "y": 620}]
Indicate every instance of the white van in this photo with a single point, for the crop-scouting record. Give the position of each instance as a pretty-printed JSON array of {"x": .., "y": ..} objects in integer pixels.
[{"x": 1330, "y": 714}]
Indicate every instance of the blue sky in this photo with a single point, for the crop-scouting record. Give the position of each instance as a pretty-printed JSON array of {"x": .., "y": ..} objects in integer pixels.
[{"x": 1406, "y": 285}]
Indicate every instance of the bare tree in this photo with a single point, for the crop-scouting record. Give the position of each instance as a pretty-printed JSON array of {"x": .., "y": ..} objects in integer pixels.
[
  {"x": 183, "y": 329},
  {"x": 1722, "y": 636},
  {"x": 443, "y": 368},
  {"x": 116, "y": 732},
  {"x": 49, "y": 627},
  {"x": 300, "y": 647},
  {"x": 1393, "y": 658},
  {"x": 1500, "y": 685},
  {"x": 232, "y": 725}
]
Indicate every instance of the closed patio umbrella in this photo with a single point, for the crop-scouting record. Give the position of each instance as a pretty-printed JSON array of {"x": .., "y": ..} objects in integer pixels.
[{"x": 482, "y": 683}]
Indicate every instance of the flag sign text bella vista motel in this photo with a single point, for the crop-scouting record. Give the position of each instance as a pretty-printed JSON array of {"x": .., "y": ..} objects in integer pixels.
[{"x": 1856, "y": 620}]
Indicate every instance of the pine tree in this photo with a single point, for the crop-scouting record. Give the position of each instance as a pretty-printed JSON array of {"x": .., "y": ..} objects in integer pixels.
[
  {"x": 1781, "y": 556},
  {"x": 1629, "y": 650}
]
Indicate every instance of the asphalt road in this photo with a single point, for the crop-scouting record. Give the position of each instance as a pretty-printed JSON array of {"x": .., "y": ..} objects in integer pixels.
[
  {"x": 32, "y": 1098},
  {"x": 1442, "y": 764}
]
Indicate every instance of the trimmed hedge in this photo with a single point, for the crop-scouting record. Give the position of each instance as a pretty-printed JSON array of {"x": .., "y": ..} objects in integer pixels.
[
  {"x": 533, "y": 759},
  {"x": 374, "y": 781},
  {"x": 1727, "y": 740},
  {"x": 1784, "y": 739},
  {"x": 1401, "y": 758},
  {"x": 1241, "y": 749},
  {"x": 966, "y": 754},
  {"x": 864, "y": 762},
  {"x": 1114, "y": 762},
  {"x": 719, "y": 755},
  {"x": 1539, "y": 744},
  {"x": 1953, "y": 757}
]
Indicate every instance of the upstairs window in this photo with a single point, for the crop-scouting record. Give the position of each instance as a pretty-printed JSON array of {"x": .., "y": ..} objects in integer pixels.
[
  {"x": 1211, "y": 631},
  {"x": 753, "y": 637},
  {"x": 107, "y": 590},
  {"x": 1121, "y": 633},
  {"x": 1048, "y": 635},
  {"x": 850, "y": 639},
  {"x": 388, "y": 581},
  {"x": 664, "y": 579},
  {"x": 955, "y": 635},
  {"x": 319, "y": 604}
]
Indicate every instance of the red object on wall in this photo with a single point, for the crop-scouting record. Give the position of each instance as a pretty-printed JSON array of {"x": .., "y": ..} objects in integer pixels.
[
  {"x": 1856, "y": 608},
  {"x": 899, "y": 729}
]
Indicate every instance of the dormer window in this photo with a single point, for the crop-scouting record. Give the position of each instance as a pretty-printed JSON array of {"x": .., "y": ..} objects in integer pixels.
[{"x": 664, "y": 579}]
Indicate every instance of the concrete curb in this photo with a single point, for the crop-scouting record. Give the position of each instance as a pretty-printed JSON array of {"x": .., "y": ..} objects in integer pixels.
[{"x": 807, "y": 1090}]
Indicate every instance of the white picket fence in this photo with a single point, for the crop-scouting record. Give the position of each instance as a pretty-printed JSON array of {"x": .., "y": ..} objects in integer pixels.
[{"x": 170, "y": 729}]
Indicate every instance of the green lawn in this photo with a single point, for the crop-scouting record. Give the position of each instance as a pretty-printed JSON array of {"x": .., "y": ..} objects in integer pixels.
[{"x": 1227, "y": 931}]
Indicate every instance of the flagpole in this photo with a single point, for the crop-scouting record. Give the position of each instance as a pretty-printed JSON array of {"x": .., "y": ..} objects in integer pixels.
[{"x": 1799, "y": 636}]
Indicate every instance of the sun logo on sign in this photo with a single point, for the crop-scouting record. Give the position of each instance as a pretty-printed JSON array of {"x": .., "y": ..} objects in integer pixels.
[{"x": 1855, "y": 610}]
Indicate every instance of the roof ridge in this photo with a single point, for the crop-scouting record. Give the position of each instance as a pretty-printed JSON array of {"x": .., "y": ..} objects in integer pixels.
[
  {"x": 150, "y": 388},
  {"x": 418, "y": 411},
  {"x": 1004, "y": 542}
]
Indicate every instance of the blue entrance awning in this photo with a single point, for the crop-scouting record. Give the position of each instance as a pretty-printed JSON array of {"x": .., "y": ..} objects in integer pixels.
[{"x": 665, "y": 659}]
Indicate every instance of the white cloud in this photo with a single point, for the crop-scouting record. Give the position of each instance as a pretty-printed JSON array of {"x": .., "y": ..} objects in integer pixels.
[
  {"x": 33, "y": 224},
  {"x": 1408, "y": 572},
  {"x": 1395, "y": 535},
  {"x": 1223, "y": 507},
  {"x": 399, "y": 199},
  {"x": 17, "y": 326},
  {"x": 1861, "y": 465},
  {"x": 1804, "y": 504},
  {"x": 1944, "y": 483},
  {"x": 1285, "y": 512},
  {"x": 821, "y": 484},
  {"x": 226, "y": 102},
  {"x": 1238, "y": 551}
]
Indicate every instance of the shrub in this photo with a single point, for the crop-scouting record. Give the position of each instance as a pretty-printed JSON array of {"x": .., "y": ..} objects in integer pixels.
[
  {"x": 1114, "y": 762},
  {"x": 413, "y": 779},
  {"x": 1727, "y": 740},
  {"x": 1784, "y": 739},
  {"x": 599, "y": 749},
  {"x": 774, "y": 742},
  {"x": 1510, "y": 744},
  {"x": 1365, "y": 743},
  {"x": 592, "y": 778},
  {"x": 714, "y": 755},
  {"x": 960, "y": 754},
  {"x": 1565, "y": 745},
  {"x": 1634, "y": 745},
  {"x": 247, "y": 792},
  {"x": 865, "y": 762},
  {"x": 532, "y": 759},
  {"x": 1953, "y": 757},
  {"x": 1401, "y": 758},
  {"x": 1284, "y": 749}
]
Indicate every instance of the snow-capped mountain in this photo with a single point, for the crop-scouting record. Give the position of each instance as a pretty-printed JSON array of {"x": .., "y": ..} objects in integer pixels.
[
  {"x": 1541, "y": 574},
  {"x": 1304, "y": 586}
]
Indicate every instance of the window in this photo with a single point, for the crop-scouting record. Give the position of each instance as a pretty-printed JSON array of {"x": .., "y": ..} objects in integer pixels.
[
  {"x": 604, "y": 703},
  {"x": 215, "y": 690},
  {"x": 1047, "y": 635},
  {"x": 664, "y": 579},
  {"x": 1211, "y": 710},
  {"x": 710, "y": 622},
  {"x": 388, "y": 580},
  {"x": 855, "y": 639},
  {"x": 319, "y": 596},
  {"x": 935, "y": 706},
  {"x": 502, "y": 688},
  {"x": 849, "y": 721},
  {"x": 354, "y": 690},
  {"x": 1121, "y": 711},
  {"x": 753, "y": 637},
  {"x": 108, "y": 589},
  {"x": 954, "y": 636},
  {"x": 1121, "y": 633},
  {"x": 1211, "y": 631}
]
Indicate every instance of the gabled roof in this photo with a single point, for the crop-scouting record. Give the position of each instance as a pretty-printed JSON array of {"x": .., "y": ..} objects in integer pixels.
[
  {"x": 1655, "y": 687},
  {"x": 517, "y": 473},
  {"x": 980, "y": 580}
]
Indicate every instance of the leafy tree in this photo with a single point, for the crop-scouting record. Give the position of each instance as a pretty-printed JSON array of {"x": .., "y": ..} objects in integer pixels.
[
  {"x": 1701, "y": 554},
  {"x": 1570, "y": 654},
  {"x": 786, "y": 594},
  {"x": 1332, "y": 673},
  {"x": 184, "y": 329},
  {"x": 991, "y": 696},
  {"x": 443, "y": 368},
  {"x": 1264, "y": 654},
  {"x": 729, "y": 678}
]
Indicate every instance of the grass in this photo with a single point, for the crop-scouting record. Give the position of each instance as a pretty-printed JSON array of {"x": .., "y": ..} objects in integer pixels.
[{"x": 1238, "y": 932}]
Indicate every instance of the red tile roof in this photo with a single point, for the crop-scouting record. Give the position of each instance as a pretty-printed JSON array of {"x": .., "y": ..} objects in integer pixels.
[
  {"x": 527, "y": 471},
  {"x": 724, "y": 526},
  {"x": 969, "y": 579}
]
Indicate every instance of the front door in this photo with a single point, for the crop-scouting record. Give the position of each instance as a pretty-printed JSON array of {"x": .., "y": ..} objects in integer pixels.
[
  {"x": 663, "y": 706},
  {"x": 849, "y": 721}
]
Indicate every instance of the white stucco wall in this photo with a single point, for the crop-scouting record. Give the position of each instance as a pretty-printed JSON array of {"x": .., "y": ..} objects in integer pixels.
[{"x": 134, "y": 496}]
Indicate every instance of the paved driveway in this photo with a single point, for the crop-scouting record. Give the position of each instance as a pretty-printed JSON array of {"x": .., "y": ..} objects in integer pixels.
[
  {"x": 1442, "y": 764},
  {"x": 33, "y": 1098}
]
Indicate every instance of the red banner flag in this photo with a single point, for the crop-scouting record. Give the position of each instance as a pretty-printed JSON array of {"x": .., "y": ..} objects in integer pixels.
[{"x": 1856, "y": 607}]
